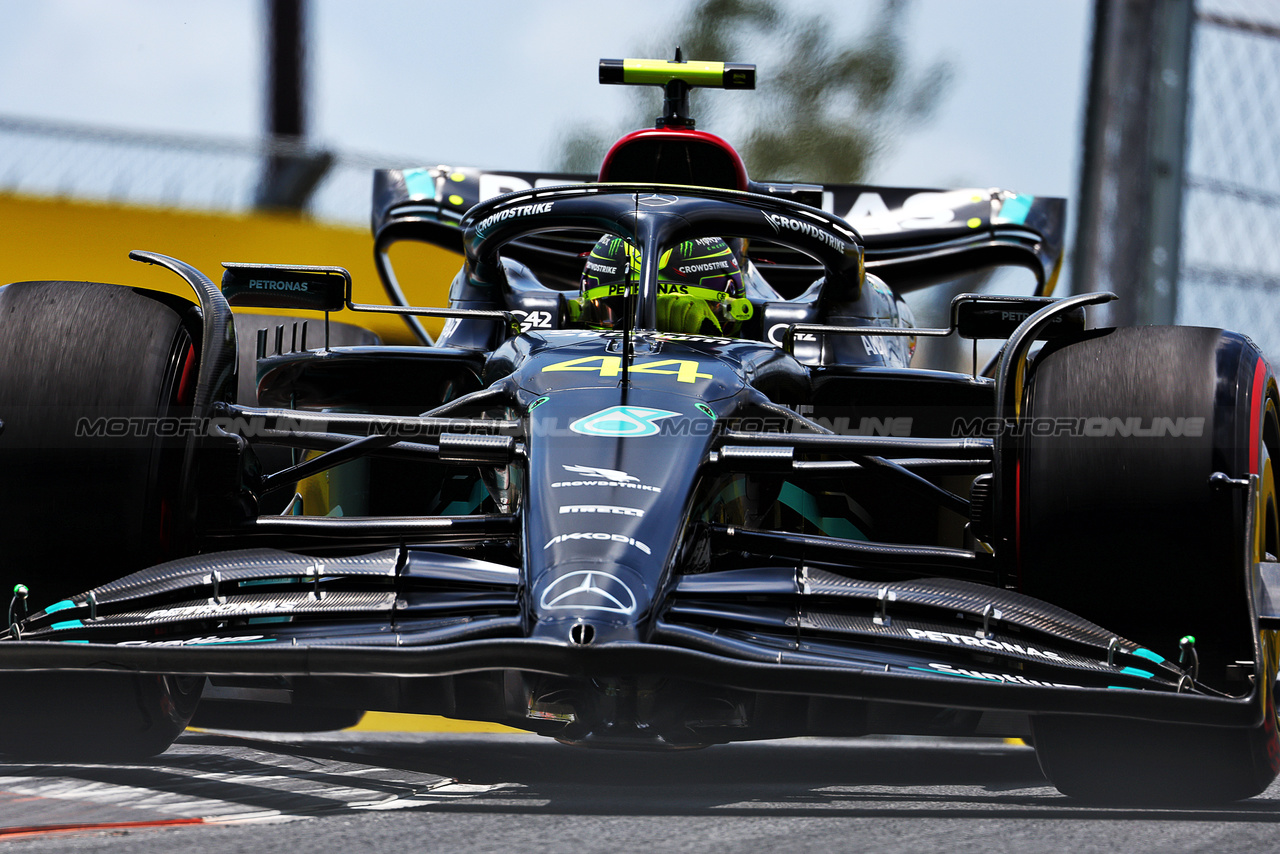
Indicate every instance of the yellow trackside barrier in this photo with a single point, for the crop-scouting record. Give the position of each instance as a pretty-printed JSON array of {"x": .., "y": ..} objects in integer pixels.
[
  {"x": 88, "y": 241},
  {"x": 394, "y": 722}
]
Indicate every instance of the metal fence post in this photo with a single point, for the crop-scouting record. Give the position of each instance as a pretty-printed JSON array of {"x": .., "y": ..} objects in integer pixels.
[{"x": 1129, "y": 233}]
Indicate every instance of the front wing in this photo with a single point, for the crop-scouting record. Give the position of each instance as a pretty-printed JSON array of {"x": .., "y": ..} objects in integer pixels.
[{"x": 416, "y": 613}]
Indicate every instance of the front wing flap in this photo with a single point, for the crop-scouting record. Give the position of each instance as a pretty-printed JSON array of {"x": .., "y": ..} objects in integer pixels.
[{"x": 411, "y": 613}]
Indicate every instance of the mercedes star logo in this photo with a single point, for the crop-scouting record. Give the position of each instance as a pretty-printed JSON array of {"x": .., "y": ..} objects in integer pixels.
[
  {"x": 656, "y": 200},
  {"x": 588, "y": 590}
]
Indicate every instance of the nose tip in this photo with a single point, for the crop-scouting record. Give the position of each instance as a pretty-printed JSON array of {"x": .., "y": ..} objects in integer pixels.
[{"x": 582, "y": 634}]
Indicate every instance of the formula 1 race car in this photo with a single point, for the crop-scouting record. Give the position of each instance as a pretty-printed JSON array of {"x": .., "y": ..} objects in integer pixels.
[{"x": 666, "y": 478}]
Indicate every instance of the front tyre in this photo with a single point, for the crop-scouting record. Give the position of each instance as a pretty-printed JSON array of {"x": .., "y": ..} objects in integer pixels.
[
  {"x": 1117, "y": 521},
  {"x": 94, "y": 717},
  {"x": 91, "y": 489},
  {"x": 1114, "y": 761},
  {"x": 93, "y": 378}
]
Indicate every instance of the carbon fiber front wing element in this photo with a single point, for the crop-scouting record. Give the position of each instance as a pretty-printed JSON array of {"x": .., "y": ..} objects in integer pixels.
[{"x": 414, "y": 613}]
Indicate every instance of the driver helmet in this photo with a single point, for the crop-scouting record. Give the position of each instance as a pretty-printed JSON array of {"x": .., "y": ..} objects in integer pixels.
[{"x": 700, "y": 288}]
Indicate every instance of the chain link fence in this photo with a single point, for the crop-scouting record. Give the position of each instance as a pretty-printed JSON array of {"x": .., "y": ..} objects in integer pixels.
[
  {"x": 1230, "y": 265},
  {"x": 62, "y": 160},
  {"x": 1230, "y": 255}
]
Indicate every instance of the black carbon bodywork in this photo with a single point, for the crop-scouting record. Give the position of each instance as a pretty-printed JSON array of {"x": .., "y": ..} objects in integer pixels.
[{"x": 637, "y": 537}]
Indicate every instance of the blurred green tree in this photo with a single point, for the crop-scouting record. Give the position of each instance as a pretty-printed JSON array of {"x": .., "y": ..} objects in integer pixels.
[{"x": 823, "y": 109}]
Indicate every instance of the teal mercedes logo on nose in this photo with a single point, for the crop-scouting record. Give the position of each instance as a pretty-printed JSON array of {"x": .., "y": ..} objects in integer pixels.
[{"x": 624, "y": 421}]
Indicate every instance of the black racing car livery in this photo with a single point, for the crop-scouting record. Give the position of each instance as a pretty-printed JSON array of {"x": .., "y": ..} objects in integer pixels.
[{"x": 645, "y": 537}]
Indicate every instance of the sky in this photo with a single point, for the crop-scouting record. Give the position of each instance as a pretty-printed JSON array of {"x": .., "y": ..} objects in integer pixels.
[
  {"x": 495, "y": 83},
  {"x": 498, "y": 83}
]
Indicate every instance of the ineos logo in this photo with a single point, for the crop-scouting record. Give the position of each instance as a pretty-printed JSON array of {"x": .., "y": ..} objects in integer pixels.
[{"x": 588, "y": 590}]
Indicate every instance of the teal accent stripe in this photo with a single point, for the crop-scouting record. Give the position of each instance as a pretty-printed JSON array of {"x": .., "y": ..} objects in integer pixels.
[
  {"x": 420, "y": 183},
  {"x": 69, "y": 624},
  {"x": 1148, "y": 655},
  {"x": 59, "y": 606},
  {"x": 1120, "y": 688},
  {"x": 1015, "y": 209},
  {"x": 470, "y": 505},
  {"x": 807, "y": 506},
  {"x": 1133, "y": 671}
]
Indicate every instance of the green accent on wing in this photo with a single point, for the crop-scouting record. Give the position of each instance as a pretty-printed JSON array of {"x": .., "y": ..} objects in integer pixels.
[
  {"x": 1015, "y": 209},
  {"x": 1148, "y": 655},
  {"x": 469, "y": 505},
  {"x": 807, "y": 506},
  {"x": 420, "y": 182}
]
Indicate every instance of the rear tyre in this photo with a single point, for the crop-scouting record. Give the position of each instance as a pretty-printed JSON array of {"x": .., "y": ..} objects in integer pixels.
[
  {"x": 90, "y": 490},
  {"x": 1117, "y": 521}
]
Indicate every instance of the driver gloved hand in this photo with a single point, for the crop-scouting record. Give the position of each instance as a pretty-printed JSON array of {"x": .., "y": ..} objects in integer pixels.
[{"x": 686, "y": 314}]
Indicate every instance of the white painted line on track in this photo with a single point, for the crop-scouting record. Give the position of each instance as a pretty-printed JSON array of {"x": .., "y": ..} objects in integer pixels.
[{"x": 220, "y": 783}]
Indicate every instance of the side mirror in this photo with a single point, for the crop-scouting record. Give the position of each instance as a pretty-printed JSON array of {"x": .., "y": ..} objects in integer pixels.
[
  {"x": 285, "y": 286},
  {"x": 975, "y": 316}
]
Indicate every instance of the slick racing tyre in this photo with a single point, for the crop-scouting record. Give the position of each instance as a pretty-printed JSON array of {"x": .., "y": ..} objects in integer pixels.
[
  {"x": 90, "y": 490},
  {"x": 1118, "y": 520},
  {"x": 273, "y": 717},
  {"x": 90, "y": 477},
  {"x": 94, "y": 717}
]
